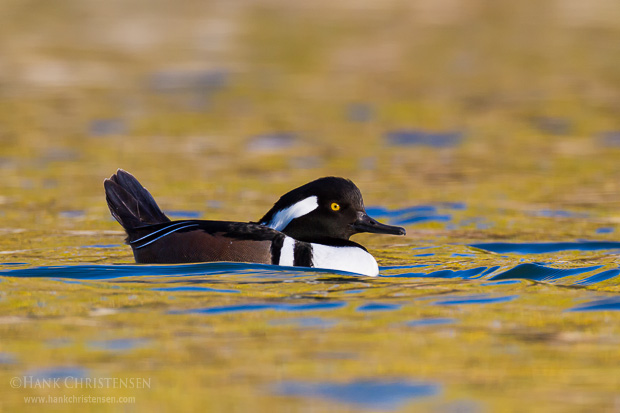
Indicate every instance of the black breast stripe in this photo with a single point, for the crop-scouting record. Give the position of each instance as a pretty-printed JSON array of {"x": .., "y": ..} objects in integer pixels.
[
  {"x": 276, "y": 248},
  {"x": 302, "y": 254}
]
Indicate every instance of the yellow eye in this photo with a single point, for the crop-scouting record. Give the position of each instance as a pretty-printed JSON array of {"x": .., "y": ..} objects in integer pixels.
[{"x": 335, "y": 207}]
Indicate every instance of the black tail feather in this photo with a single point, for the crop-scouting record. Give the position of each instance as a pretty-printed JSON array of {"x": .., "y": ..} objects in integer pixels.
[{"x": 130, "y": 203}]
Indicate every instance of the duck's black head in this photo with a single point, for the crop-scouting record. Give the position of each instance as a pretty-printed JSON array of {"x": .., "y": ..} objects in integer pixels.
[{"x": 328, "y": 208}]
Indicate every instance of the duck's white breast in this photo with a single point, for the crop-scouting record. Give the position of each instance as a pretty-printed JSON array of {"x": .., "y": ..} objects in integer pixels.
[{"x": 350, "y": 259}]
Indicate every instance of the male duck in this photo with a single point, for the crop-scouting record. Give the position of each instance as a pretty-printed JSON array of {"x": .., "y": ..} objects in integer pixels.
[{"x": 308, "y": 227}]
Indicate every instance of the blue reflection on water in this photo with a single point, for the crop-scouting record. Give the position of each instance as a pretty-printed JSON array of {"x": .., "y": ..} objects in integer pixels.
[
  {"x": 465, "y": 274},
  {"x": 537, "y": 272},
  {"x": 381, "y": 212},
  {"x": 370, "y": 394},
  {"x": 7, "y": 358},
  {"x": 546, "y": 247},
  {"x": 430, "y": 322},
  {"x": 304, "y": 322},
  {"x": 597, "y": 278},
  {"x": 102, "y": 272},
  {"x": 119, "y": 344},
  {"x": 413, "y": 137},
  {"x": 490, "y": 270},
  {"x": 559, "y": 213},
  {"x": 378, "y": 307},
  {"x": 226, "y": 309},
  {"x": 412, "y": 215},
  {"x": 415, "y": 214},
  {"x": 273, "y": 273},
  {"x": 505, "y": 282},
  {"x": 421, "y": 218},
  {"x": 454, "y": 205},
  {"x": 605, "y": 304},
  {"x": 60, "y": 372}
]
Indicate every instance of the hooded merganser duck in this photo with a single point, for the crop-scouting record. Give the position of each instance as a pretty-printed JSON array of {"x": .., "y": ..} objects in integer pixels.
[{"x": 308, "y": 227}]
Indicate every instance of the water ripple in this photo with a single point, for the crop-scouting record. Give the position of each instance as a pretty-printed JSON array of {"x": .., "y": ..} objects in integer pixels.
[
  {"x": 378, "y": 307},
  {"x": 277, "y": 274},
  {"x": 226, "y": 309},
  {"x": 605, "y": 304},
  {"x": 369, "y": 394},
  {"x": 430, "y": 322},
  {"x": 536, "y": 272},
  {"x": 546, "y": 247},
  {"x": 474, "y": 299}
]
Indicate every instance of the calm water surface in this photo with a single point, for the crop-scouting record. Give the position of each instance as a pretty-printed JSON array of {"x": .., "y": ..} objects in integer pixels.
[
  {"x": 290, "y": 336},
  {"x": 488, "y": 129}
]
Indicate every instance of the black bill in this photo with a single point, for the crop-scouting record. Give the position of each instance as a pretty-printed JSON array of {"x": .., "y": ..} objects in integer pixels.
[{"x": 365, "y": 223}]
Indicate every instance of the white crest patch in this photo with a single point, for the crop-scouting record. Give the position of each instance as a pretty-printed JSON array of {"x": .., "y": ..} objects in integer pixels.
[
  {"x": 350, "y": 259},
  {"x": 282, "y": 218}
]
